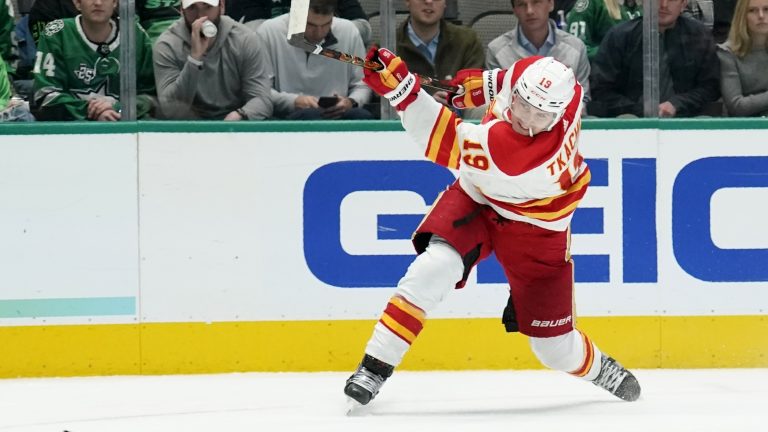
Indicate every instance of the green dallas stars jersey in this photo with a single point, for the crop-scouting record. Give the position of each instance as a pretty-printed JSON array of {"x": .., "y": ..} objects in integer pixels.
[
  {"x": 589, "y": 20},
  {"x": 5, "y": 86},
  {"x": 157, "y": 15},
  {"x": 70, "y": 70}
]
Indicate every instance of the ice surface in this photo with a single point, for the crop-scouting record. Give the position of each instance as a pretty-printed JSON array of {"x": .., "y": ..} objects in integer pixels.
[{"x": 673, "y": 400}]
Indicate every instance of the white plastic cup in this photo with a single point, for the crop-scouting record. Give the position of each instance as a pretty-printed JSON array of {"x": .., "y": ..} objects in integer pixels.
[{"x": 209, "y": 29}]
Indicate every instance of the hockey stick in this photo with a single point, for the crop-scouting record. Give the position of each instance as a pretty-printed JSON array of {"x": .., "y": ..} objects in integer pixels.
[{"x": 297, "y": 23}]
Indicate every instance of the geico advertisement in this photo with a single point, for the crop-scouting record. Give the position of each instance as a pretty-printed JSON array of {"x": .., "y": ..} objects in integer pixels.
[
  {"x": 206, "y": 227},
  {"x": 317, "y": 225}
]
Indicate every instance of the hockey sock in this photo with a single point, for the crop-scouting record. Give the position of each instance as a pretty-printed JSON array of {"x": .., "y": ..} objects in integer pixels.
[
  {"x": 572, "y": 352},
  {"x": 428, "y": 280}
]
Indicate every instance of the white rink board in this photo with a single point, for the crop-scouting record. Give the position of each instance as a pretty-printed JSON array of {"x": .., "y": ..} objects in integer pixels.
[
  {"x": 222, "y": 223},
  {"x": 69, "y": 228}
]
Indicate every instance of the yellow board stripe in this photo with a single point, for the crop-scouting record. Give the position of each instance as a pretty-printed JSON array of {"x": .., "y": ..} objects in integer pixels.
[{"x": 338, "y": 345}]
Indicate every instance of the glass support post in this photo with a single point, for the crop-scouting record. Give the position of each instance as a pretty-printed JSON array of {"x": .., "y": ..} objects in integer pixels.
[
  {"x": 651, "y": 58},
  {"x": 127, "y": 60}
]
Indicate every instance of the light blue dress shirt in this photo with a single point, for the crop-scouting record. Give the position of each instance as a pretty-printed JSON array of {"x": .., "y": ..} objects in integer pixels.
[
  {"x": 531, "y": 48},
  {"x": 428, "y": 49}
]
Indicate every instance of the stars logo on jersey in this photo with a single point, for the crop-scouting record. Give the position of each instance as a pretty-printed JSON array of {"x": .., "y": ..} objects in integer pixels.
[
  {"x": 99, "y": 92},
  {"x": 53, "y": 27},
  {"x": 107, "y": 66},
  {"x": 85, "y": 74},
  {"x": 581, "y": 5}
]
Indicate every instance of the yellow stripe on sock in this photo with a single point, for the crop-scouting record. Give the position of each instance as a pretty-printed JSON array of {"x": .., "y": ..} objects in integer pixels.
[
  {"x": 397, "y": 328},
  {"x": 408, "y": 308}
]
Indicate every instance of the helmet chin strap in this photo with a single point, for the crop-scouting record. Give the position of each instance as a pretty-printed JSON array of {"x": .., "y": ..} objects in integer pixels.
[
  {"x": 554, "y": 122},
  {"x": 508, "y": 119}
]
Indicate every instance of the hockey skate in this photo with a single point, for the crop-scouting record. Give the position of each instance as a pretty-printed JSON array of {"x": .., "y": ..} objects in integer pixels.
[
  {"x": 365, "y": 383},
  {"x": 617, "y": 380}
]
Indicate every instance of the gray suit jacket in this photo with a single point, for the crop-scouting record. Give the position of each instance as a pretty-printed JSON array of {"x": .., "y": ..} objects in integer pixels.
[{"x": 568, "y": 50}]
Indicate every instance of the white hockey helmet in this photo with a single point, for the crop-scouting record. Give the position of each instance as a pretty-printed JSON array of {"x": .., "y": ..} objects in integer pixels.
[{"x": 548, "y": 85}]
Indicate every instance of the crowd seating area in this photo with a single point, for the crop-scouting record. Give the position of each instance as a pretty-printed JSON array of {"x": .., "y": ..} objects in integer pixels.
[{"x": 488, "y": 19}]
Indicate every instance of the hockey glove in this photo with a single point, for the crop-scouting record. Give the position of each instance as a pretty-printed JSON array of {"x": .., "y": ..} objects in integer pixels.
[
  {"x": 394, "y": 81},
  {"x": 476, "y": 87}
]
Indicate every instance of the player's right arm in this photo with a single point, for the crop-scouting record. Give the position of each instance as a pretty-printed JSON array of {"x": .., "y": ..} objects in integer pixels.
[
  {"x": 53, "y": 99},
  {"x": 428, "y": 122}
]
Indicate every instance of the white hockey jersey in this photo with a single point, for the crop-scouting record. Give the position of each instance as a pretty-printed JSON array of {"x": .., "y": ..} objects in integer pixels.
[{"x": 538, "y": 180}]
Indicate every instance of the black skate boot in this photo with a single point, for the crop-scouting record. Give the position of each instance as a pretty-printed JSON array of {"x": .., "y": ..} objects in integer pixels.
[
  {"x": 617, "y": 380},
  {"x": 365, "y": 383}
]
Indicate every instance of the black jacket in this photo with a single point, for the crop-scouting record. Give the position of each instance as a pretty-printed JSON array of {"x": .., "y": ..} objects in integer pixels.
[
  {"x": 45, "y": 11},
  {"x": 617, "y": 70}
]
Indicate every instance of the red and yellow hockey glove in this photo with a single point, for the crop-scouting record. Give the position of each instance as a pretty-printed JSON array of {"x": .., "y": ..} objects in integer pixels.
[
  {"x": 478, "y": 87},
  {"x": 394, "y": 81}
]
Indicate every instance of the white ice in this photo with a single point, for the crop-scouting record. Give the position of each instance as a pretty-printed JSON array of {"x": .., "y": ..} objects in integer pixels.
[{"x": 521, "y": 401}]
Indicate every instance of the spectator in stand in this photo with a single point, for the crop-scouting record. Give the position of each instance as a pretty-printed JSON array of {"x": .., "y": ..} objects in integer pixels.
[
  {"x": 302, "y": 81},
  {"x": 11, "y": 108},
  {"x": 77, "y": 71},
  {"x": 22, "y": 54},
  {"x": 7, "y": 20},
  {"x": 744, "y": 60},
  {"x": 257, "y": 11},
  {"x": 45, "y": 11},
  {"x": 434, "y": 47},
  {"x": 535, "y": 33},
  {"x": 689, "y": 72},
  {"x": 702, "y": 10},
  {"x": 156, "y": 16},
  {"x": 723, "y": 12},
  {"x": 559, "y": 11},
  {"x": 6, "y": 91},
  {"x": 222, "y": 76},
  {"x": 590, "y": 20}
]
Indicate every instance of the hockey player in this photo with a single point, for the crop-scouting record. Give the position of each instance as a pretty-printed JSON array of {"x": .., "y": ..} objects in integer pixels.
[
  {"x": 520, "y": 179},
  {"x": 77, "y": 69}
]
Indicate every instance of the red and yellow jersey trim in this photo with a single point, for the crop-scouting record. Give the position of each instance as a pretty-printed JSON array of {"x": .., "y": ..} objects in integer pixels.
[
  {"x": 442, "y": 146},
  {"x": 552, "y": 208}
]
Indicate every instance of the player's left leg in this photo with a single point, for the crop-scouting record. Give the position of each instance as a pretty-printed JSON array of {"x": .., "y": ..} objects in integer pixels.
[
  {"x": 540, "y": 270},
  {"x": 577, "y": 355}
]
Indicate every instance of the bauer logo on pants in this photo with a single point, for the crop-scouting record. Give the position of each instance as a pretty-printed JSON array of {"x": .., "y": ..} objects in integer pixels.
[{"x": 552, "y": 323}]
